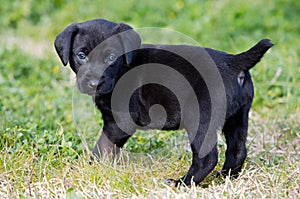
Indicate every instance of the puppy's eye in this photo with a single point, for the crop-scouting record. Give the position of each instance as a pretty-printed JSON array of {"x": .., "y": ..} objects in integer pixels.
[
  {"x": 110, "y": 58},
  {"x": 81, "y": 55}
]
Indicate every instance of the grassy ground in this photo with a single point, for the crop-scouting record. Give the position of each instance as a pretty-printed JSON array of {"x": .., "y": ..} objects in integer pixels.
[{"x": 43, "y": 146}]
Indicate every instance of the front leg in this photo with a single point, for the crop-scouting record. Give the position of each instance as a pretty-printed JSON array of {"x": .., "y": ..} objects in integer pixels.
[
  {"x": 110, "y": 141},
  {"x": 105, "y": 147},
  {"x": 235, "y": 130}
]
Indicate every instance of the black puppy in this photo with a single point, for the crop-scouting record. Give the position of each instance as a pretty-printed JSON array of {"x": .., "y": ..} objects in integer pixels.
[{"x": 123, "y": 75}]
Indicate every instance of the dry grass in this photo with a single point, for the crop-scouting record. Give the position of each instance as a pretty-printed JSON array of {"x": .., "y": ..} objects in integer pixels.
[
  {"x": 271, "y": 171},
  {"x": 38, "y": 101}
]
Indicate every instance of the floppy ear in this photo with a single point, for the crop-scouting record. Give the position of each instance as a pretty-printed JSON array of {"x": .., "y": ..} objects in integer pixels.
[
  {"x": 63, "y": 42},
  {"x": 130, "y": 40},
  {"x": 247, "y": 60}
]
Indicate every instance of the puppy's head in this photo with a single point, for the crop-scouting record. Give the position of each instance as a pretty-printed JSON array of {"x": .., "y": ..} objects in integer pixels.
[{"x": 97, "y": 51}]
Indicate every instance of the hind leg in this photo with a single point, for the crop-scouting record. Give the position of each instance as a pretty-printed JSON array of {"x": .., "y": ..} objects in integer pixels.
[
  {"x": 235, "y": 131},
  {"x": 200, "y": 167}
]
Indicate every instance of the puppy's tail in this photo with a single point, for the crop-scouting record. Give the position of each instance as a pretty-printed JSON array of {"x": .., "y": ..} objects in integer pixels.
[{"x": 247, "y": 60}]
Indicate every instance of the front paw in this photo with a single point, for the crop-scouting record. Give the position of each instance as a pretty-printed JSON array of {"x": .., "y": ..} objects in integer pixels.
[{"x": 172, "y": 183}]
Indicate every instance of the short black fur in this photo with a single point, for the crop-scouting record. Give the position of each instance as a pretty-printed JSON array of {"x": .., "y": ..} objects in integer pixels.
[{"x": 84, "y": 37}]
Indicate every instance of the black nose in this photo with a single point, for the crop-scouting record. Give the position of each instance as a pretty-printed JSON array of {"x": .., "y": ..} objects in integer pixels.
[{"x": 94, "y": 83}]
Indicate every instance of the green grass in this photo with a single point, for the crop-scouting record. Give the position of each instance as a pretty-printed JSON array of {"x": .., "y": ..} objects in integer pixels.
[{"x": 44, "y": 146}]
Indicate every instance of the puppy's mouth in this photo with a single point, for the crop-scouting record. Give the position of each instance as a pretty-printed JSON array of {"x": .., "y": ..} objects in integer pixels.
[{"x": 96, "y": 89}]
